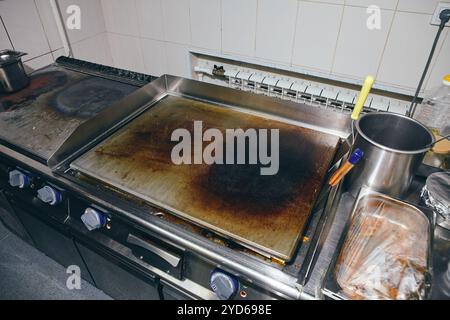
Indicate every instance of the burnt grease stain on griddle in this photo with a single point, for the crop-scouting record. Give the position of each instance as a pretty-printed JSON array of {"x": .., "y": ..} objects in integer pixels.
[
  {"x": 248, "y": 192},
  {"x": 148, "y": 147},
  {"x": 40, "y": 83},
  {"x": 265, "y": 212},
  {"x": 88, "y": 96},
  {"x": 240, "y": 187}
]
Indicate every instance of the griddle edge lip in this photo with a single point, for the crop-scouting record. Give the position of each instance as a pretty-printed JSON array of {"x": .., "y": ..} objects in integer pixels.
[{"x": 75, "y": 145}]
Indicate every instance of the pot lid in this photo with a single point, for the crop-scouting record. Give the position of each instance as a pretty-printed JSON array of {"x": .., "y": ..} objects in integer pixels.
[{"x": 10, "y": 56}]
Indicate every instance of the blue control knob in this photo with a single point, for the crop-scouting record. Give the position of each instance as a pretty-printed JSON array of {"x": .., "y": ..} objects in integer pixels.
[
  {"x": 223, "y": 284},
  {"x": 18, "y": 179},
  {"x": 49, "y": 195},
  {"x": 93, "y": 219}
]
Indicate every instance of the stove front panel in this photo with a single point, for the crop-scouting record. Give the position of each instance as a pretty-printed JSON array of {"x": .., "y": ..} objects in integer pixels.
[{"x": 265, "y": 212}]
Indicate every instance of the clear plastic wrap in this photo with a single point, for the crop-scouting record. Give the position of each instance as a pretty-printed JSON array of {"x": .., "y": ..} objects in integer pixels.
[
  {"x": 385, "y": 253},
  {"x": 434, "y": 112},
  {"x": 436, "y": 195}
]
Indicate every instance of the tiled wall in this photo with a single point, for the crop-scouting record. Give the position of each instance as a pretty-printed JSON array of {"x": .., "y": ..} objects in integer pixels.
[
  {"x": 322, "y": 37},
  {"x": 32, "y": 28}
]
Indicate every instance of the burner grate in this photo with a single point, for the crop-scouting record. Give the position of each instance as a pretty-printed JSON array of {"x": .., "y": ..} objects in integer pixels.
[{"x": 129, "y": 77}]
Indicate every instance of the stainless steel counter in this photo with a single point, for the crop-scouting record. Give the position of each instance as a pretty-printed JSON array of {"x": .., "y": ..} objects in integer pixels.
[{"x": 440, "y": 252}]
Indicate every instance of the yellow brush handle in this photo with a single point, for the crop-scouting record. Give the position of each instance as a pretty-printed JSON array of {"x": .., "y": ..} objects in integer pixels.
[{"x": 368, "y": 83}]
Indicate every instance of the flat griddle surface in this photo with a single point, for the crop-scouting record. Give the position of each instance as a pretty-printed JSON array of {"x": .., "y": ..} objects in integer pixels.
[
  {"x": 42, "y": 116},
  {"x": 266, "y": 213}
]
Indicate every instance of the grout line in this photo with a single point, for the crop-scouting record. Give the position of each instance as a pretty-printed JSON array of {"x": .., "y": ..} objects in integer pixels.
[
  {"x": 108, "y": 42},
  {"x": 141, "y": 53},
  {"x": 7, "y": 33},
  {"x": 190, "y": 27},
  {"x": 365, "y": 6},
  {"x": 39, "y": 56},
  {"x": 295, "y": 34},
  {"x": 163, "y": 27},
  {"x": 138, "y": 19},
  {"x": 57, "y": 49},
  {"x": 102, "y": 15},
  {"x": 53, "y": 53},
  {"x": 323, "y": 2},
  {"x": 337, "y": 41},
  {"x": 256, "y": 28},
  {"x": 42, "y": 25},
  {"x": 90, "y": 37},
  {"x": 181, "y": 44},
  {"x": 396, "y": 6},
  {"x": 386, "y": 44},
  {"x": 221, "y": 26}
]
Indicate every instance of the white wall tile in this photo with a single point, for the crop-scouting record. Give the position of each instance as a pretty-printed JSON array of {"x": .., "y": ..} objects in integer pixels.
[
  {"x": 420, "y": 6},
  {"x": 120, "y": 16},
  {"x": 24, "y": 26},
  {"x": 264, "y": 29},
  {"x": 38, "y": 62},
  {"x": 95, "y": 49},
  {"x": 176, "y": 21},
  {"x": 4, "y": 41},
  {"x": 407, "y": 49},
  {"x": 49, "y": 24},
  {"x": 383, "y": 4},
  {"x": 153, "y": 53},
  {"x": 239, "y": 26},
  {"x": 359, "y": 50},
  {"x": 441, "y": 66},
  {"x": 177, "y": 57},
  {"x": 316, "y": 35},
  {"x": 275, "y": 29},
  {"x": 205, "y": 17},
  {"x": 150, "y": 19},
  {"x": 92, "y": 21},
  {"x": 126, "y": 52}
]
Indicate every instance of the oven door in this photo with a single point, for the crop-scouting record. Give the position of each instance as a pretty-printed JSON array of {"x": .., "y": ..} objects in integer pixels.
[
  {"x": 49, "y": 237},
  {"x": 10, "y": 219},
  {"x": 115, "y": 276}
]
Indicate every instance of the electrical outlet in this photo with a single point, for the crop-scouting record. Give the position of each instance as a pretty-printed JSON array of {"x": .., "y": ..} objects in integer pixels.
[{"x": 435, "y": 21}]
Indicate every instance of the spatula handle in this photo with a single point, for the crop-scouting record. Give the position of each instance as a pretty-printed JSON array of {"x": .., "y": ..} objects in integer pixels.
[
  {"x": 368, "y": 83},
  {"x": 346, "y": 167}
]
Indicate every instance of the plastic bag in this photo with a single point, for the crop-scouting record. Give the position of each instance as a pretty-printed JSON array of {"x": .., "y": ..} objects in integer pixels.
[{"x": 384, "y": 255}]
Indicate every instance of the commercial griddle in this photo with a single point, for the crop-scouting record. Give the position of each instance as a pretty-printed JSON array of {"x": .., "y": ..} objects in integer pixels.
[
  {"x": 114, "y": 161},
  {"x": 59, "y": 100},
  {"x": 265, "y": 213}
]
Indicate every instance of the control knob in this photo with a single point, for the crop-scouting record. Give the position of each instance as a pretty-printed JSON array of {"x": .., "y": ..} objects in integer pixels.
[
  {"x": 224, "y": 285},
  {"x": 93, "y": 219},
  {"x": 18, "y": 179},
  {"x": 49, "y": 195}
]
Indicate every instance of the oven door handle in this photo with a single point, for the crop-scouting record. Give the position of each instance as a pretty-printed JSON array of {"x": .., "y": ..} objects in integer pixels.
[{"x": 170, "y": 258}]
